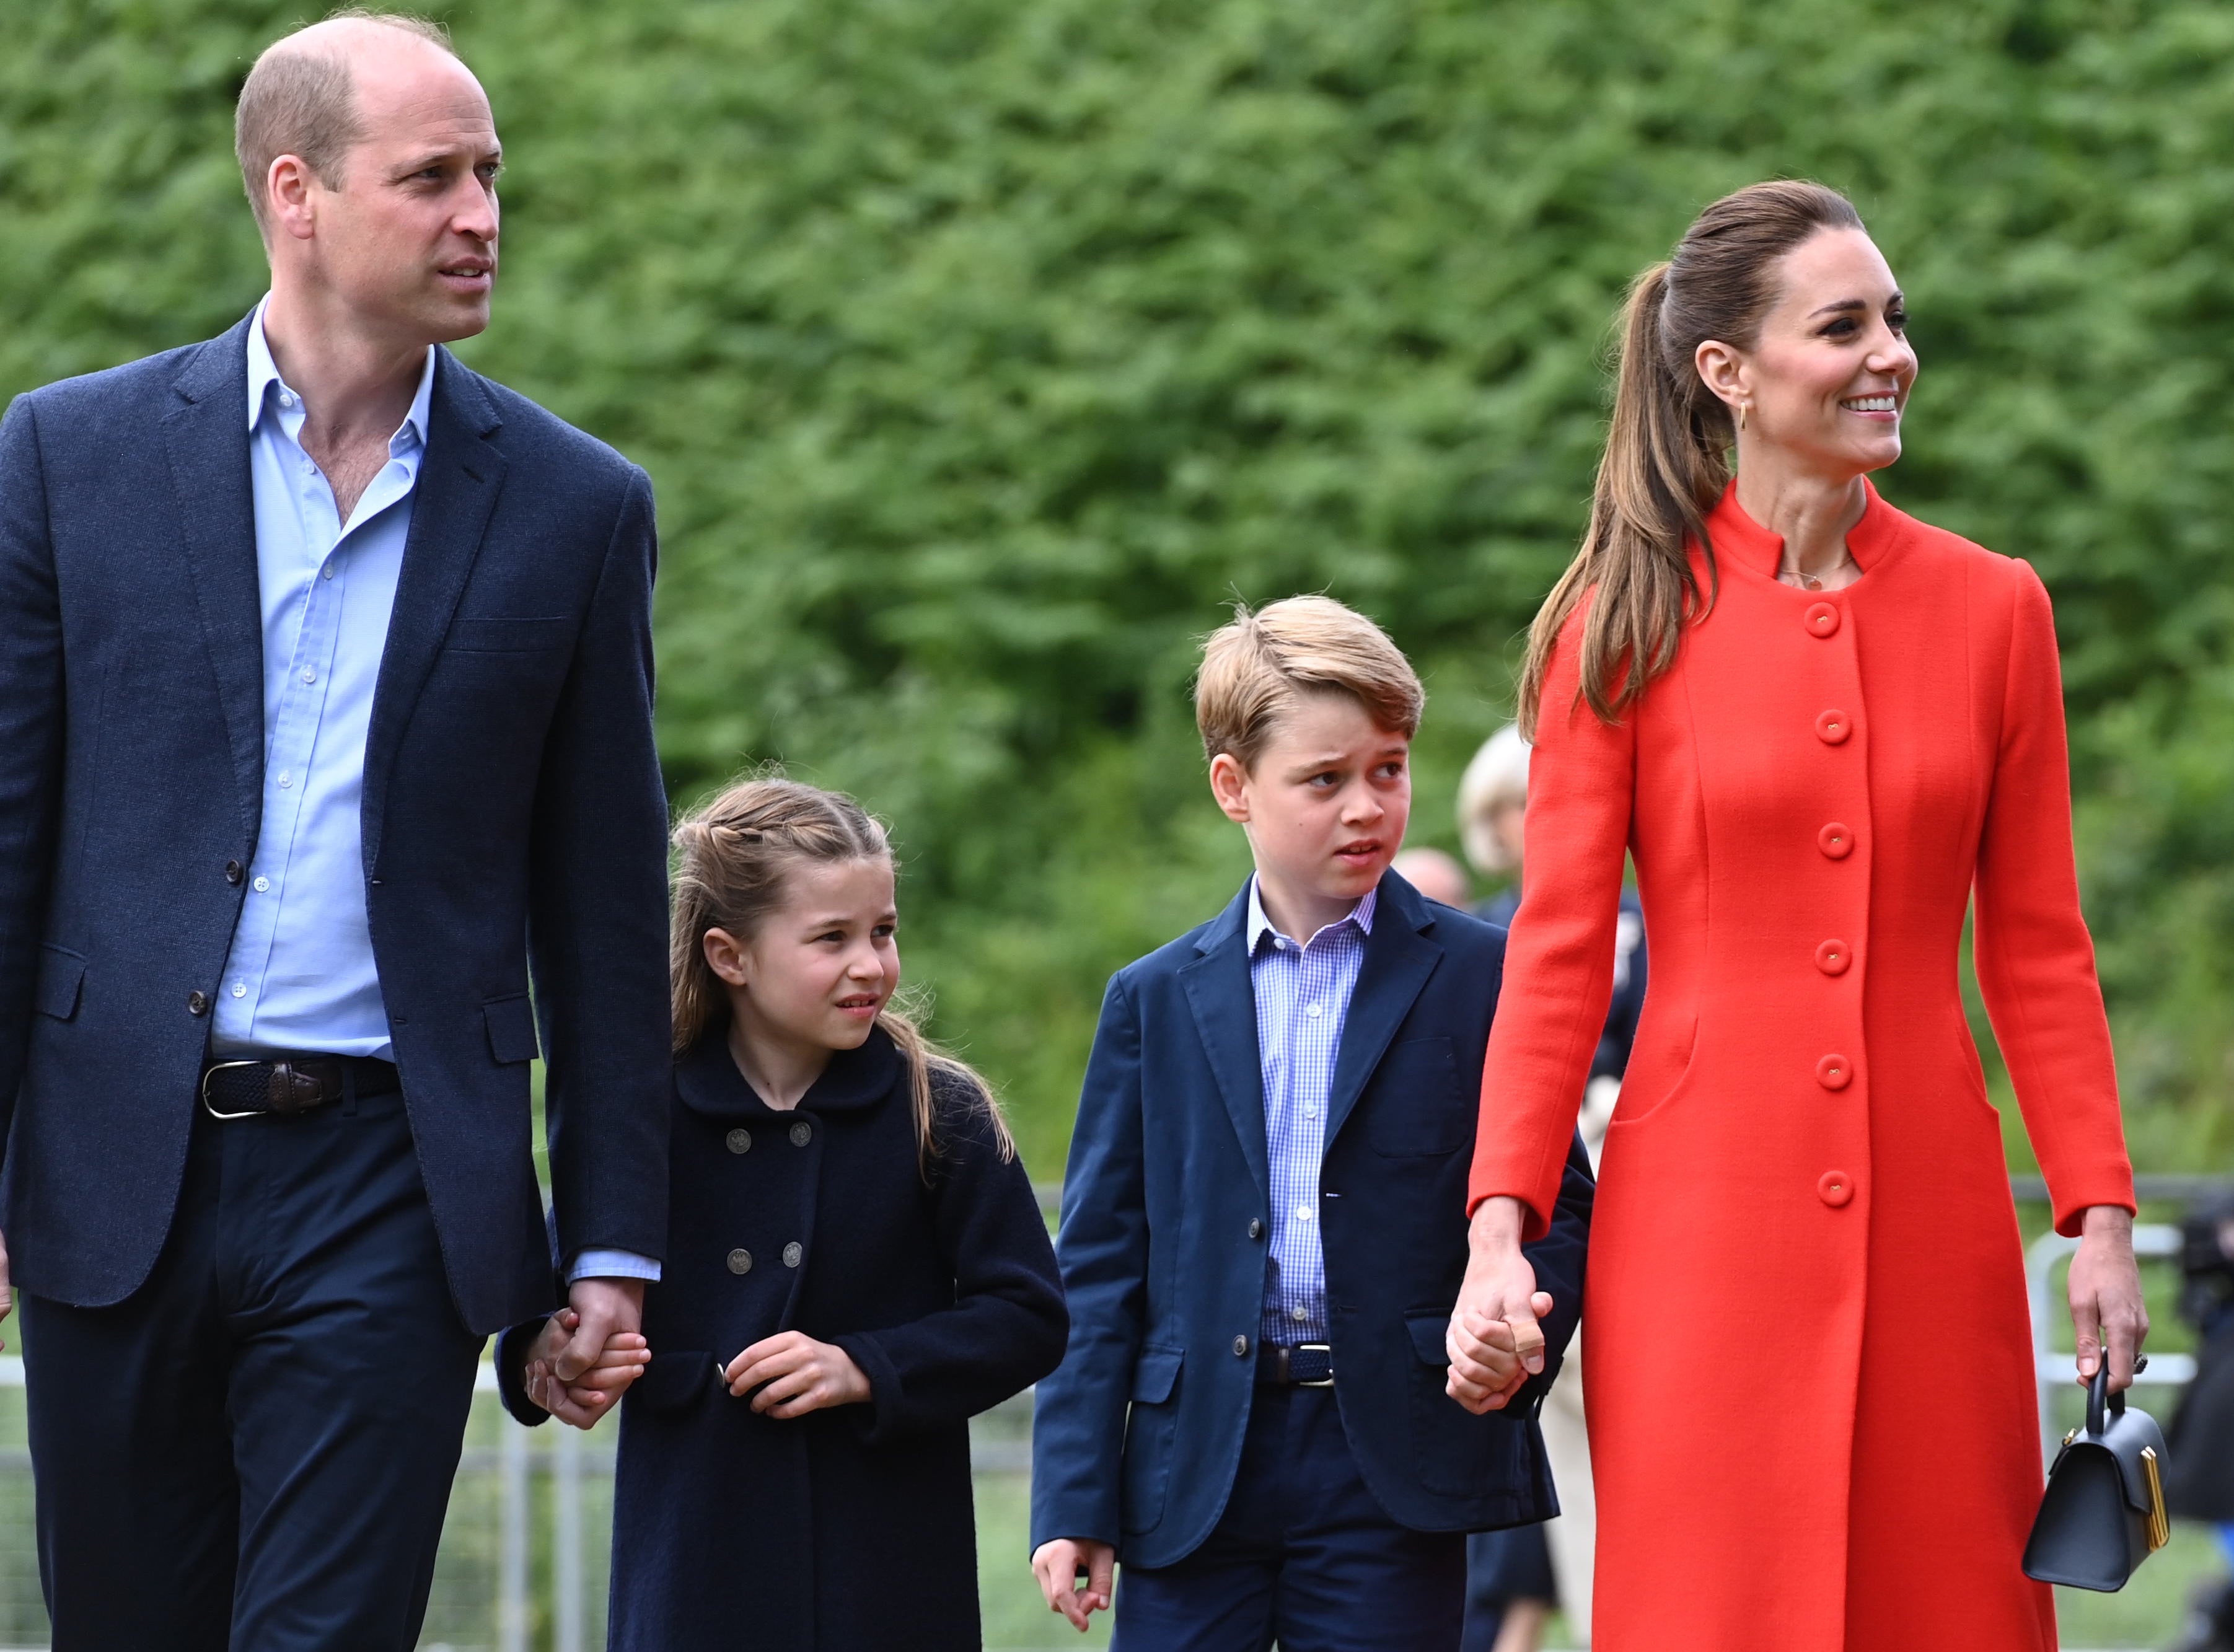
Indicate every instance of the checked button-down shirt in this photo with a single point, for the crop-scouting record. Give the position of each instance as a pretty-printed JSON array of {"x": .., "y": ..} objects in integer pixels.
[{"x": 1303, "y": 992}]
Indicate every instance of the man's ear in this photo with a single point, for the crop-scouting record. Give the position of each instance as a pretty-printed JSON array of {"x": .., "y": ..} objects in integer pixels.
[
  {"x": 1229, "y": 784},
  {"x": 288, "y": 188}
]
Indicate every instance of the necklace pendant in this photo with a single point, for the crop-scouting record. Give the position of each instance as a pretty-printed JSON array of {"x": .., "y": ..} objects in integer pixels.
[{"x": 1812, "y": 585}]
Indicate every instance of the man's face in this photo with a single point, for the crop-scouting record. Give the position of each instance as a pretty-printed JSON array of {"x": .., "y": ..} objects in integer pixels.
[{"x": 408, "y": 242}]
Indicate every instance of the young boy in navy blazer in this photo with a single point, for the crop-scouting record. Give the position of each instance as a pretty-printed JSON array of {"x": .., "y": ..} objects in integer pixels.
[{"x": 1263, "y": 1220}]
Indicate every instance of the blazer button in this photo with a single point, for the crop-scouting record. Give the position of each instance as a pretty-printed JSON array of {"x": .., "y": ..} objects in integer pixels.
[
  {"x": 791, "y": 1253},
  {"x": 1835, "y": 1072},
  {"x": 1822, "y": 620},
  {"x": 1240, "y": 1348},
  {"x": 1833, "y": 957},
  {"x": 801, "y": 1133},
  {"x": 741, "y": 1260},
  {"x": 1835, "y": 841},
  {"x": 1835, "y": 1189},
  {"x": 1255, "y": 1228},
  {"x": 1833, "y": 728},
  {"x": 197, "y": 1003},
  {"x": 235, "y": 872},
  {"x": 739, "y": 1141}
]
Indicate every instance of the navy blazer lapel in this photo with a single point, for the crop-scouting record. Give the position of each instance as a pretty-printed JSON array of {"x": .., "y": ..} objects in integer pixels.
[
  {"x": 1398, "y": 958},
  {"x": 459, "y": 480},
  {"x": 1218, "y": 990},
  {"x": 205, "y": 443}
]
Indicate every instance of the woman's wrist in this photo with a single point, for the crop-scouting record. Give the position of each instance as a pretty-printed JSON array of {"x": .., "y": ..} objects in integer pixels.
[
  {"x": 2106, "y": 1221},
  {"x": 1497, "y": 1225}
]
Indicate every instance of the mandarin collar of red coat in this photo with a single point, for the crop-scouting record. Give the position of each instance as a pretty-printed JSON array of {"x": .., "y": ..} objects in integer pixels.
[
  {"x": 707, "y": 1079},
  {"x": 1742, "y": 542}
]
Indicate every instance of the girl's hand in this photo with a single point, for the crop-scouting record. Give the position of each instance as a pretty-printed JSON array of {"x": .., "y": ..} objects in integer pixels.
[
  {"x": 800, "y": 1374},
  {"x": 2106, "y": 1296},
  {"x": 1057, "y": 1562},
  {"x": 598, "y": 1389}
]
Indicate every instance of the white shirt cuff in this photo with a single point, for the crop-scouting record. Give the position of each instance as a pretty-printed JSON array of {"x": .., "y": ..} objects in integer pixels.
[{"x": 612, "y": 1264}]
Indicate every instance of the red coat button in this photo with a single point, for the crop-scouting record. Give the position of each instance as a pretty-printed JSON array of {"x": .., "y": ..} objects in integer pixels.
[
  {"x": 1836, "y": 1188},
  {"x": 1822, "y": 620},
  {"x": 1833, "y": 728},
  {"x": 1835, "y": 841},
  {"x": 1833, "y": 957},
  {"x": 1835, "y": 1072}
]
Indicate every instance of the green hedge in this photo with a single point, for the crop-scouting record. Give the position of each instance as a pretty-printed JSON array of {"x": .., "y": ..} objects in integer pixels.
[{"x": 981, "y": 351}]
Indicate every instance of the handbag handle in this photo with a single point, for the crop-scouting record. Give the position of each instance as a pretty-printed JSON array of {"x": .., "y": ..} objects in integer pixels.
[{"x": 2104, "y": 1407}]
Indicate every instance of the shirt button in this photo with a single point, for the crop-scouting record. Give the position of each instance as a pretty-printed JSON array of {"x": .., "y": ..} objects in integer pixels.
[
  {"x": 287, "y": 398},
  {"x": 1298, "y": 1312},
  {"x": 1310, "y": 1112},
  {"x": 1255, "y": 1228},
  {"x": 1822, "y": 620},
  {"x": 1835, "y": 841},
  {"x": 262, "y": 886},
  {"x": 739, "y": 1141},
  {"x": 240, "y": 990},
  {"x": 309, "y": 675},
  {"x": 1833, "y": 728},
  {"x": 1240, "y": 1348},
  {"x": 1835, "y": 1188},
  {"x": 1835, "y": 1072},
  {"x": 801, "y": 1133},
  {"x": 1312, "y": 1010},
  {"x": 791, "y": 1253},
  {"x": 741, "y": 1260},
  {"x": 197, "y": 1003},
  {"x": 286, "y": 779},
  {"x": 1833, "y": 957},
  {"x": 1303, "y": 1212},
  {"x": 326, "y": 572},
  {"x": 235, "y": 872}
]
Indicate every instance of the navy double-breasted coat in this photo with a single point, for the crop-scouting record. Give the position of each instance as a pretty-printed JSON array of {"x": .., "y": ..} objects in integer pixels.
[{"x": 734, "y": 1530}]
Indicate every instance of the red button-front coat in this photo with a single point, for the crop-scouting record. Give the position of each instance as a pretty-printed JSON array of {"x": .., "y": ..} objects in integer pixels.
[{"x": 1808, "y": 1365}]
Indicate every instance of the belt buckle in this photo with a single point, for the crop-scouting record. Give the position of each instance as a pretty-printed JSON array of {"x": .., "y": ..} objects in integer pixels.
[
  {"x": 1326, "y": 1381},
  {"x": 210, "y": 1072}
]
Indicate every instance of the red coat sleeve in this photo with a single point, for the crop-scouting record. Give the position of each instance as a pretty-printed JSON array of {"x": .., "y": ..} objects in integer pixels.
[
  {"x": 1559, "y": 962},
  {"x": 2035, "y": 959}
]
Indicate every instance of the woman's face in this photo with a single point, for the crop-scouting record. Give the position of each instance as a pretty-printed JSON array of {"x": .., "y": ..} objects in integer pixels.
[{"x": 1828, "y": 378}]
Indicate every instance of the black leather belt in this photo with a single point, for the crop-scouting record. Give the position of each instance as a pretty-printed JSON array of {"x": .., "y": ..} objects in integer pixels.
[
  {"x": 1306, "y": 1365},
  {"x": 291, "y": 1084}
]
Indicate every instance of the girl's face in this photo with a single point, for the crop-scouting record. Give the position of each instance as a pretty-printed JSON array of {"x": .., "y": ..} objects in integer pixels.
[
  {"x": 1828, "y": 378},
  {"x": 817, "y": 970}
]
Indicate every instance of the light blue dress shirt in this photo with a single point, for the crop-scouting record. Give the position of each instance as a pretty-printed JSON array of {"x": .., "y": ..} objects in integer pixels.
[
  {"x": 1303, "y": 995},
  {"x": 300, "y": 975}
]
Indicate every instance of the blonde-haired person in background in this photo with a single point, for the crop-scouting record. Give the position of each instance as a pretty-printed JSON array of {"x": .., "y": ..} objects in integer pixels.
[{"x": 1514, "y": 1579}]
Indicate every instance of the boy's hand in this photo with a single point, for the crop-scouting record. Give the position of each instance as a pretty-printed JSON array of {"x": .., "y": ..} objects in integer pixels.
[
  {"x": 801, "y": 1375},
  {"x": 598, "y": 1389},
  {"x": 1057, "y": 1562},
  {"x": 1487, "y": 1368}
]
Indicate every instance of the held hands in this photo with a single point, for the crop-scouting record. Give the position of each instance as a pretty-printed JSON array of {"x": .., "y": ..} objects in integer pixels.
[
  {"x": 2106, "y": 1296},
  {"x": 800, "y": 1374},
  {"x": 597, "y": 1390},
  {"x": 1494, "y": 1342},
  {"x": 1057, "y": 1562}
]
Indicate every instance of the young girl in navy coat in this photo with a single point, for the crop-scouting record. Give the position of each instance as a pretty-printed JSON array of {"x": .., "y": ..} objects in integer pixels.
[{"x": 855, "y": 1266}]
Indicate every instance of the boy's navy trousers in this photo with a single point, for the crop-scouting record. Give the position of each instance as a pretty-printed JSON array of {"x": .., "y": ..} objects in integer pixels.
[
  {"x": 252, "y": 1453},
  {"x": 1304, "y": 1555}
]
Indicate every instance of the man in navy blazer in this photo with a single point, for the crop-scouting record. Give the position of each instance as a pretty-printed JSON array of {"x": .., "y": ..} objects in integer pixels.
[
  {"x": 1263, "y": 1221},
  {"x": 325, "y": 729}
]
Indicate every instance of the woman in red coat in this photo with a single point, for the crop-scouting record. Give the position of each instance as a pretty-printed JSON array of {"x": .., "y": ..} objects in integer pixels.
[{"x": 1819, "y": 726}]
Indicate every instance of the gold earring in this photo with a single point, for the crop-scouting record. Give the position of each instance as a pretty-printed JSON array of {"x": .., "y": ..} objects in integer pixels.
[{"x": 1743, "y": 409}]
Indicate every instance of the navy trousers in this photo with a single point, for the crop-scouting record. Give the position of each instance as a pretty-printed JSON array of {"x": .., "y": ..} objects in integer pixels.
[
  {"x": 1304, "y": 1555},
  {"x": 253, "y": 1452}
]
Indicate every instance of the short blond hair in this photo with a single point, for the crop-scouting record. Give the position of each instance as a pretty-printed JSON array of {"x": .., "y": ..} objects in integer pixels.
[{"x": 1261, "y": 664}]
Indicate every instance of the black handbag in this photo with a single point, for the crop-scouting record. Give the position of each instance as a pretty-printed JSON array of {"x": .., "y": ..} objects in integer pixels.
[{"x": 2104, "y": 1510}]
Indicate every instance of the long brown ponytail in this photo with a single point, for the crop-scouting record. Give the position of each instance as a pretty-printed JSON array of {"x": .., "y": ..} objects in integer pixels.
[
  {"x": 1666, "y": 455},
  {"x": 733, "y": 856}
]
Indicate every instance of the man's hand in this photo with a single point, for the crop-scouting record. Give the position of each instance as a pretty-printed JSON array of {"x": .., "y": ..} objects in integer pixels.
[
  {"x": 7, "y": 1287},
  {"x": 603, "y": 1309},
  {"x": 800, "y": 1374},
  {"x": 582, "y": 1402},
  {"x": 1493, "y": 1340},
  {"x": 1057, "y": 1562},
  {"x": 2106, "y": 1296}
]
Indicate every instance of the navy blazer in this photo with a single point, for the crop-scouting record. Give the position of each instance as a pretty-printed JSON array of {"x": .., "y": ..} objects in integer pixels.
[
  {"x": 1137, "y": 1436},
  {"x": 512, "y": 810}
]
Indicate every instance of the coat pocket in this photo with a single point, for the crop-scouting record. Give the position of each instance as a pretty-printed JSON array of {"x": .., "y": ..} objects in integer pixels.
[
  {"x": 511, "y": 1028},
  {"x": 1456, "y": 1453},
  {"x": 1417, "y": 1109},
  {"x": 61, "y": 977},
  {"x": 1151, "y": 1432}
]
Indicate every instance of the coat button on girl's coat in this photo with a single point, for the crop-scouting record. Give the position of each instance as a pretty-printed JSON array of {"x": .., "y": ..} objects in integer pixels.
[
  {"x": 741, "y": 1260},
  {"x": 740, "y": 1141},
  {"x": 801, "y": 1133},
  {"x": 791, "y": 1253}
]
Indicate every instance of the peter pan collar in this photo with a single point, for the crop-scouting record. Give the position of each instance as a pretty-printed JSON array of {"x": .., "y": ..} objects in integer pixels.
[{"x": 707, "y": 1079}]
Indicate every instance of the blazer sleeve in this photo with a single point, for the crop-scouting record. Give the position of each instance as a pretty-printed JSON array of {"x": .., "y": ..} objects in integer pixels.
[
  {"x": 597, "y": 916},
  {"x": 2034, "y": 957},
  {"x": 32, "y": 713},
  {"x": 1006, "y": 1328},
  {"x": 1558, "y": 1258},
  {"x": 1559, "y": 954},
  {"x": 1078, "y": 1414}
]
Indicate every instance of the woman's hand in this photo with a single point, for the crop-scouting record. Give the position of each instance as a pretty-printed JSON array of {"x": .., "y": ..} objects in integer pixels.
[
  {"x": 2105, "y": 1295},
  {"x": 598, "y": 1390},
  {"x": 1493, "y": 1340},
  {"x": 800, "y": 1374},
  {"x": 1057, "y": 1562}
]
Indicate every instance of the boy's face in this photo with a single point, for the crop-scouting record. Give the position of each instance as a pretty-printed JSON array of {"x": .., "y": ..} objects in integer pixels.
[{"x": 1325, "y": 806}]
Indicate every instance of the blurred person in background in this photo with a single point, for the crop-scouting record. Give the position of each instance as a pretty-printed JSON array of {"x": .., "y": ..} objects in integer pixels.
[
  {"x": 1820, "y": 726},
  {"x": 325, "y": 732},
  {"x": 1434, "y": 874},
  {"x": 2199, "y": 1472},
  {"x": 1517, "y": 1578}
]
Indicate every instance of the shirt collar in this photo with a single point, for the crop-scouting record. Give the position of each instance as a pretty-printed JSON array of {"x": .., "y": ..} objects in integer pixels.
[
  {"x": 263, "y": 373},
  {"x": 1260, "y": 925}
]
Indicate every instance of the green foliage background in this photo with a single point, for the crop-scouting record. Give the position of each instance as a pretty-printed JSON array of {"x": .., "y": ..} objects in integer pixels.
[{"x": 980, "y": 349}]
